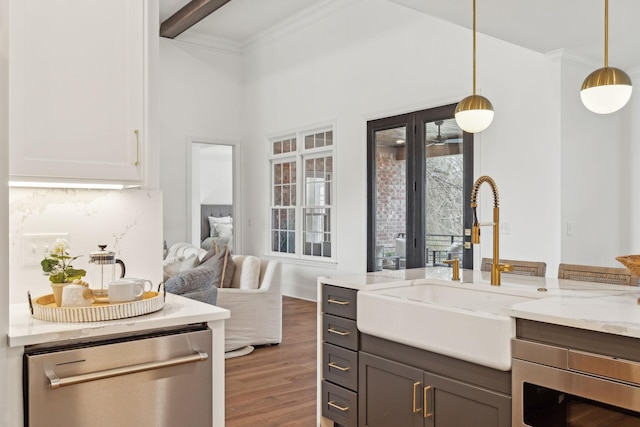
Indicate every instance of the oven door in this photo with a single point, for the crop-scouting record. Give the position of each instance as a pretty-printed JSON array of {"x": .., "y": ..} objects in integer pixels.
[{"x": 549, "y": 396}]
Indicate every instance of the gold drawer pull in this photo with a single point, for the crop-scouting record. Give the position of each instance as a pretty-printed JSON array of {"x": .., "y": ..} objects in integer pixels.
[
  {"x": 415, "y": 386},
  {"x": 338, "y": 407},
  {"x": 337, "y": 332},
  {"x": 333, "y": 365},
  {"x": 335, "y": 301},
  {"x": 426, "y": 413}
]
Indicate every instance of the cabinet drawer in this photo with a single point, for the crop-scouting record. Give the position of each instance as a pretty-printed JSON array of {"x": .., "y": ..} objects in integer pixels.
[
  {"x": 340, "y": 366},
  {"x": 340, "y": 331},
  {"x": 339, "y": 405},
  {"x": 339, "y": 301}
]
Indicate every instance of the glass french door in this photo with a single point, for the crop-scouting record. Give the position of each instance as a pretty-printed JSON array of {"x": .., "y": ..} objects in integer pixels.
[{"x": 420, "y": 173}]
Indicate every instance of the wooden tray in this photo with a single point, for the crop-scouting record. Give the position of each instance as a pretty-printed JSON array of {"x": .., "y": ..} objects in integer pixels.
[{"x": 44, "y": 308}]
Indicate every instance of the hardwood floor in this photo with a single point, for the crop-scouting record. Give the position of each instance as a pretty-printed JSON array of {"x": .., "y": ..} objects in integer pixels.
[{"x": 276, "y": 385}]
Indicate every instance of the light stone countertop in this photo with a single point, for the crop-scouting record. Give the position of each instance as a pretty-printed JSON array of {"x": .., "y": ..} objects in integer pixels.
[
  {"x": 599, "y": 307},
  {"x": 26, "y": 330}
]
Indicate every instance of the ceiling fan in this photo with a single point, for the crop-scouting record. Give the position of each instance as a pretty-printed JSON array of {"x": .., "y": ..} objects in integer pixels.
[{"x": 441, "y": 139}]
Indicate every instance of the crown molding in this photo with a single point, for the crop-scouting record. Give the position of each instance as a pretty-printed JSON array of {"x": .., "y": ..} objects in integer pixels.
[
  {"x": 312, "y": 14},
  {"x": 565, "y": 55},
  {"x": 216, "y": 44},
  {"x": 308, "y": 16}
]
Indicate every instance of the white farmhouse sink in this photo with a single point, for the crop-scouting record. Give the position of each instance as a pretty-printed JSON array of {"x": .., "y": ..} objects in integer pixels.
[{"x": 460, "y": 322}]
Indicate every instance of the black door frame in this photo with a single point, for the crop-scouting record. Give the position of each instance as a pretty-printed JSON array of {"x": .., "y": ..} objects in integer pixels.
[{"x": 415, "y": 183}]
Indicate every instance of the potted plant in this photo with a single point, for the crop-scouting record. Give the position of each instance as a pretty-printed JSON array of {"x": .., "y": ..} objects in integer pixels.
[{"x": 57, "y": 265}]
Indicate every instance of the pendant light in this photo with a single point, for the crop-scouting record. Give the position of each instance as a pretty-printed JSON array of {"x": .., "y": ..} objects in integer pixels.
[
  {"x": 607, "y": 89},
  {"x": 474, "y": 113}
]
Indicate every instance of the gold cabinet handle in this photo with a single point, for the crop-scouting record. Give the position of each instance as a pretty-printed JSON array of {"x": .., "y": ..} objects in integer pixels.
[
  {"x": 337, "y": 332},
  {"x": 338, "y": 407},
  {"x": 137, "y": 132},
  {"x": 425, "y": 393},
  {"x": 338, "y": 367},
  {"x": 415, "y": 388},
  {"x": 335, "y": 301}
]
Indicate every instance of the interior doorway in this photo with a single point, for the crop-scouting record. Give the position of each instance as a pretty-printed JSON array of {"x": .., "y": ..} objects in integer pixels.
[
  {"x": 211, "y": 188},
  {"x": 420, "y": 173}
]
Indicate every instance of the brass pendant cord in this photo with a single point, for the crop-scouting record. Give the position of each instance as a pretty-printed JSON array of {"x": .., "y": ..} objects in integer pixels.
[
  {"x": 606, "y": 33},
  {"x": 474, "y": 46}
]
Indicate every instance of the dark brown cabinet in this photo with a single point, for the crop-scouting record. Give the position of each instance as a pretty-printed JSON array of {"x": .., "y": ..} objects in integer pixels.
[
  {"x": 339, "y": 362},
  {"x": 393, "y": 393}
]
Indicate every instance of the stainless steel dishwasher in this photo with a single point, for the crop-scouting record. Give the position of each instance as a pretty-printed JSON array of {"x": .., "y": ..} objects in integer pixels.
[{"x": 156, "y": 379}]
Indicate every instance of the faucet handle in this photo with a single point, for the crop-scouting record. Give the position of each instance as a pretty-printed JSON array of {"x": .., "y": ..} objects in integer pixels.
[
  {"x": 475, "y": 233},
  {"x": 505, "y": 267},
  {"x": 455, "y": 263}
]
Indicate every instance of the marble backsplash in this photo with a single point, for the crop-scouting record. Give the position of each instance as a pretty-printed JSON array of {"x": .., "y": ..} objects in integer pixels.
[{"x": 129, "y": 222}]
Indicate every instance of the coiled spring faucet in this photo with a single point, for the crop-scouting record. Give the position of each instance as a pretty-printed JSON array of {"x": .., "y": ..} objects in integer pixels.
[{"x": 496, "y": 267}]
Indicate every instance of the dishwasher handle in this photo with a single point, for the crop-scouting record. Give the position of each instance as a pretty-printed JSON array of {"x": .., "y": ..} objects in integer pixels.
[{"x": 56, "y": 382}]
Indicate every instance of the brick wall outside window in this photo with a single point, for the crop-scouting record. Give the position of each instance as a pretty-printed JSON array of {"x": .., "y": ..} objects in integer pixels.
[{"x": 391, "y": 204}]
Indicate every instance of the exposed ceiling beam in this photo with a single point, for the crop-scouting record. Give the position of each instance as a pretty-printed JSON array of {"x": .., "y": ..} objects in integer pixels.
[{"x": 192, "y": 13}]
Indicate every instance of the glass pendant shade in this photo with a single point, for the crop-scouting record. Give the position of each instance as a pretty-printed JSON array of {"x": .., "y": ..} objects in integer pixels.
[
  {"x": 606, "y": 90},
  {"x": 474, "y": 113}
]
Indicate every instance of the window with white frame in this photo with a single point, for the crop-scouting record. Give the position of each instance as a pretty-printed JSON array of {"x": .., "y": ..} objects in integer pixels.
[{"x": 302, "y": 220}]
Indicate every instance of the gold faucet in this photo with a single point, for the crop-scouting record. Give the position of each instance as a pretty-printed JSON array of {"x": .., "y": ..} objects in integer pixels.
[
  {"x": 455, "y": 263},
  {"x": 496, "y": 267}
]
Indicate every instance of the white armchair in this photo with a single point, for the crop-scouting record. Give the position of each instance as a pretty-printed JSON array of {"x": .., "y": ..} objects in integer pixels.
[{"x": 256, "y": 314}]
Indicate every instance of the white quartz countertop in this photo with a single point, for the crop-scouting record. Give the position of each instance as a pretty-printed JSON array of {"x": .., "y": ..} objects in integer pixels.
[
  {"x": 26, "y": 330},
  {"x": 599, "y": 307},
  {"x": 386, "y": 278}
]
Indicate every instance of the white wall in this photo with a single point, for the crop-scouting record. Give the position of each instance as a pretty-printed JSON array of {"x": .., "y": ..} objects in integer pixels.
[
  {"x": 594, "y": 176},
  {"x": 10, "y": 398},
  {"x": 200, "y": 97},
  {"x": 127, "y": 221},
  {"x": 371, "y": 59},
  {"x": 632, "y": 162},
  {"x": 216, "y": 174}
]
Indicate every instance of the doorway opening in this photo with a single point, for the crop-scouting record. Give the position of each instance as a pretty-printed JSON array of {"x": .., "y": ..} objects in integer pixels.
[
  {"x": 211, "y": 188},
  {"x": 420, "y": 174}
]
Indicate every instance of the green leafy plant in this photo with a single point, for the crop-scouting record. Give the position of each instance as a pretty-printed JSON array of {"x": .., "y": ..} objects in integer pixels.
[{"x": 57, "y": 264}]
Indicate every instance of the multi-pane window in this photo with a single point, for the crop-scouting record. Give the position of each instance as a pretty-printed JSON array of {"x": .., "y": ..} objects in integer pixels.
[
  {"x": 283, "y": 213},
  {"x": 318, "y": 172},
  {"x": 313, "y": 233}
]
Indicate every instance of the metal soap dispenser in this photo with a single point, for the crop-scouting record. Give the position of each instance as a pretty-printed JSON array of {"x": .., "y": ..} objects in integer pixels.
[{"x": 104, "y": 269}]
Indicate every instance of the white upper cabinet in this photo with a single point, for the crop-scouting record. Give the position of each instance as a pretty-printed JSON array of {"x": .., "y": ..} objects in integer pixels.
[{"x": 77, "y": 81}]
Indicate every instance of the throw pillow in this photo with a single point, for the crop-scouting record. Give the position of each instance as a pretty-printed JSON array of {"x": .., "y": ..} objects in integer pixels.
[
  {"x": 248, "y": 269},
  {"x": 217, "y": 220},
  {"x": 170, "y": 267},
  {"x": 205, "y": 256},
  {"x": 209, "y": 296},
  {"x": 193, "y": 280},
  {"x": 224, "y": 230},
  {"x": 223, "y": 267},
  {"x": 189, "y": 262}
]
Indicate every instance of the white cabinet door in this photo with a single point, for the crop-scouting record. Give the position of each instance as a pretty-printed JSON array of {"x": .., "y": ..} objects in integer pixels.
[{"x": 77, "y": 105}]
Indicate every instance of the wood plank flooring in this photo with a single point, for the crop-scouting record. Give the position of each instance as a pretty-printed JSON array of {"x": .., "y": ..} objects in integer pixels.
[{"x": 276, "y": 385}]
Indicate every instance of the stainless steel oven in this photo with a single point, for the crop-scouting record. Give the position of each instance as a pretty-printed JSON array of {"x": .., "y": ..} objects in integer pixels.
[
  {"x": 556, "y": 386},
  {"x": 157, "y": 379}
]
